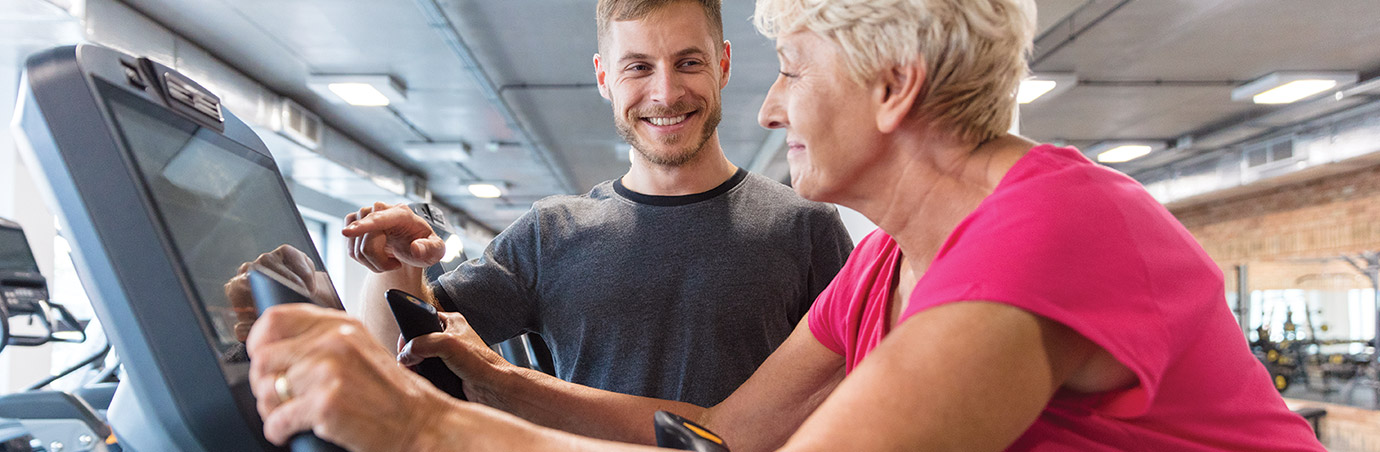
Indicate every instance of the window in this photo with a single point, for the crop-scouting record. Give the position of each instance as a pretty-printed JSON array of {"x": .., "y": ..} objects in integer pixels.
[
  {"x": 1345, "y": 316},
  {"x": 1361, "y": 304},
  {"x": 317, "y": 230},
  {"x": 325, "y": 236}
]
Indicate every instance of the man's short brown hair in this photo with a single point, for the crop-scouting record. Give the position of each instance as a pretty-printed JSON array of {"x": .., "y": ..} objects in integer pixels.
[{"x": 618, "y": 10}]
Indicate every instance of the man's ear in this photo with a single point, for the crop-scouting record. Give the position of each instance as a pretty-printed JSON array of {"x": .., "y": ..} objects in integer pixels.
[
  {"x": 724, "y": 64},
  {"x": 599, "y": 74},
  {"x": 896, "y": 91}
]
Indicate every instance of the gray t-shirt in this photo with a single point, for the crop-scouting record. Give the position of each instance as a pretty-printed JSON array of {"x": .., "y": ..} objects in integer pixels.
[{"x": 672, "y": 297}]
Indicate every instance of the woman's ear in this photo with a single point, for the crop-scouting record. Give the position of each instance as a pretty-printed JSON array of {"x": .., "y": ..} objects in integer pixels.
[{"x": 896, "y": 92}]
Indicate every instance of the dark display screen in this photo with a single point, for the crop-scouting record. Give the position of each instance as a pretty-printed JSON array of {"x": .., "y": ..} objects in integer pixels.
[
  {"x": 222, "y": 203},
  {"x": 15, "y": 256}
]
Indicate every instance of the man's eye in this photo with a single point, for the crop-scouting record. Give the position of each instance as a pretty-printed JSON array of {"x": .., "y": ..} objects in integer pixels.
[{"x": 639, "y": 68}]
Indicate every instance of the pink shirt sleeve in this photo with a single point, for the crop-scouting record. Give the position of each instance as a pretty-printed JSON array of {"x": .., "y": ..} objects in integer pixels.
[
  {"x": 824, "y": 323},
  {"x": 833, "y": 316}
]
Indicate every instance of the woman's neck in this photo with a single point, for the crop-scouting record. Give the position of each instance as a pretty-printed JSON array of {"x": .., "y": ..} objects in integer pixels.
[{"x": 929, "y": 186}]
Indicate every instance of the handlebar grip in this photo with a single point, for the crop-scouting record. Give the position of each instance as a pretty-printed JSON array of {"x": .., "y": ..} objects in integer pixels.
[
  {"x": 270, "y": 289},
  {"x": 309, "y": 442},
  {"x": 417, "y": 318},
  {"x": 675, "y": 432}
]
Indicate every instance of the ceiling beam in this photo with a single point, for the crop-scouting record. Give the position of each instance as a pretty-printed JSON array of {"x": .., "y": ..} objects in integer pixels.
[
  {"x": 1072, "y": 26},
  {"x": 436, "y": 18}
]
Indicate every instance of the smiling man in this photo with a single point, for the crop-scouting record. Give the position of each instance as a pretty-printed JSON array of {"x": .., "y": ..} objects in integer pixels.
[{"x": 674, "y": 281}]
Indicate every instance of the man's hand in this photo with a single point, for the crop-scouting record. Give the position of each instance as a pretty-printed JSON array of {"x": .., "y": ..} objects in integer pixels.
[
  {"x": 463, "y": 352},
  {"x": 384, "y": 237}
]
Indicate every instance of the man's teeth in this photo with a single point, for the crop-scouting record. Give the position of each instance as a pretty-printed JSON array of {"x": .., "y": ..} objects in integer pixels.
[{"x": 656, "y": 121}]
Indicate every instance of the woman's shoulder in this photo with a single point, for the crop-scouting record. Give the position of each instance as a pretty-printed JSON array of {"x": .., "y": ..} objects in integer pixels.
[{"x": 1062, "y": 187}]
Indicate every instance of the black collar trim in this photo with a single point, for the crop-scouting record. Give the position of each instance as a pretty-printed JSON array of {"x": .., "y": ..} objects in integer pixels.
[{"x": 679, "y": 200}]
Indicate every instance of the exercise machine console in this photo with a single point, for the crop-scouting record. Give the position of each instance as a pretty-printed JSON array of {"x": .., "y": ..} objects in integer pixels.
[{"x": 164, "y": 195}]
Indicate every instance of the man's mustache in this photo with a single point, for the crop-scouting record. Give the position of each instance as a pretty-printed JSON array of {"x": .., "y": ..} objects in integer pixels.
[{"x": 676, "y": 109}]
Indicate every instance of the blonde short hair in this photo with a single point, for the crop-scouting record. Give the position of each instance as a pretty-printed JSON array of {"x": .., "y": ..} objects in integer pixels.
[{"x": 974, "y": 51}]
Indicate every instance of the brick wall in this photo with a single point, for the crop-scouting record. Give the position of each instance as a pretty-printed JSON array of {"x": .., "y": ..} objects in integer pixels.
[
  {"x": 1285, "y": 235},
  {"x": 1288, "y": 238}
]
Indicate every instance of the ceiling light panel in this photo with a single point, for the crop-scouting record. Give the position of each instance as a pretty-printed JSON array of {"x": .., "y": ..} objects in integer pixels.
[
  {"x": 359, "y": 90},
  {"x": 1293, "y": 91},
  {"x": 1286, "y": 86},
  {"x": 1039, "y": 87},
  {"x": 361, "y": 94},
  {"x": 1033, "y": 89},
  {"x": 438, "y": 151},
  {"x": 1123, "y": 153},
  {"x": 486, "y": 190}
]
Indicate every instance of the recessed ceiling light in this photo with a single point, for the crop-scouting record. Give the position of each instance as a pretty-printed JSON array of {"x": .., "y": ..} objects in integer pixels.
[
  {"x": 1033, "y": 89},
  {"x": 393, "y": 185},
  {"x": 1044, "y": 86},
  {"x": 1293, "y": 91},
  {"x": 438, "y": 151},
  {"x": 361, "y": 94},
  {"x": 1123, "y": 153},
  {"x": 1287, "y": 87},
  {"x": 360, "y": 90},
  {"x": 485, "y": 190}
]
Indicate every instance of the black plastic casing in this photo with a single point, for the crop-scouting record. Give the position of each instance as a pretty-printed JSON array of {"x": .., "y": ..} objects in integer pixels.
[
  {"x": 417, "y": 318},
  {"x": 674, "y": 432}
]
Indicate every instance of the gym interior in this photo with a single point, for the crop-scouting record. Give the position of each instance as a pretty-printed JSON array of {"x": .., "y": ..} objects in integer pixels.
[{"x": 481, "y": 108}]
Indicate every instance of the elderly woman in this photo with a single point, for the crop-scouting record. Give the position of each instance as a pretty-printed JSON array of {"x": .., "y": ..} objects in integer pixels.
[{"x": 1017, "y": 296}]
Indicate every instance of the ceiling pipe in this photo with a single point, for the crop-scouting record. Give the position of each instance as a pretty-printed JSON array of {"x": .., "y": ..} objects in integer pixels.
[
  {"x": 1053, "y": 40},
  {"x": 436, "y": 19},
  {"x": 535, "y": 86},
  {"x": 1160, "y": 83},
  {"x": 1234, "y": 133}
]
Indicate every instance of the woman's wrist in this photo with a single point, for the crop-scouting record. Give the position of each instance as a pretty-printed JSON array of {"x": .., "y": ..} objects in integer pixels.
[{"x": 459, "y": 425}]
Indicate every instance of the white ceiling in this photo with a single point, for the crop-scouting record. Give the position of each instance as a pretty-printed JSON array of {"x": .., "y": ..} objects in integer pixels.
[
  {"x": 1151, "y": 69},
  {"x": 1164, "y": 69}
]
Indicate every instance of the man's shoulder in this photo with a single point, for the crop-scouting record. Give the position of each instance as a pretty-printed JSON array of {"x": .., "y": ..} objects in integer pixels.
[
  {"x": 560, "y": 212},
  {"x": 556, "y": 203},
  {"x": 761, "y": 190}
]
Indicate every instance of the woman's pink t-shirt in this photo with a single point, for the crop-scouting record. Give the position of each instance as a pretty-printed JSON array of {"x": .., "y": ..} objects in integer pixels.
[{"x": 1085, "y": 246}]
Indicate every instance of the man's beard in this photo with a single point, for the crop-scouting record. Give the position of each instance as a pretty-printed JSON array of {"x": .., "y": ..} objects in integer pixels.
[{"x": 677, "y": 157}]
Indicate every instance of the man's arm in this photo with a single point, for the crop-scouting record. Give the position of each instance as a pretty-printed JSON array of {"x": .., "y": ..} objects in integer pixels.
[
  {"x": 374, "y": 311},
  {"x": 760, "y": 415},
  {"x": 396, "y": 246}
]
